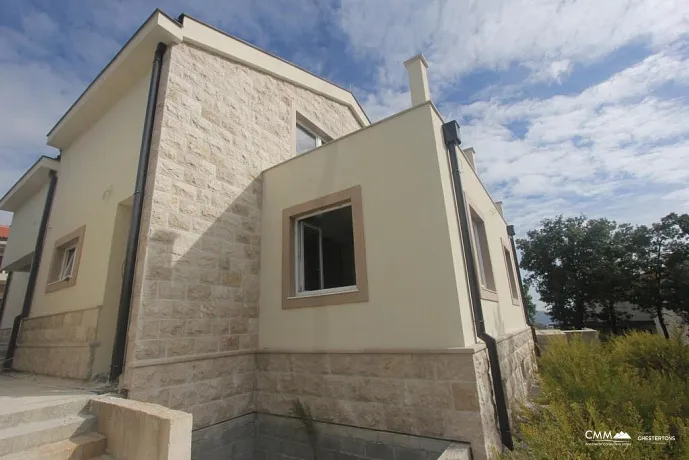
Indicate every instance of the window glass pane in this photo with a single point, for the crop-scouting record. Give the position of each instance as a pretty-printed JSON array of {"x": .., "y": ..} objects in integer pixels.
[
  {"x": 510, "y": 274},
  {"x": 305, "y": 140},
  {"x": 479, "y": 251},
  {"x": 312, "y": 258},
  {"x": 328, "y": 253},
  {"x": 67, "y": 264}
]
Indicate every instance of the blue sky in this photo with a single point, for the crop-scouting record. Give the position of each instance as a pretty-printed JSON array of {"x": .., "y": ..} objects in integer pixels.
[{"x": 573, "y": 106}]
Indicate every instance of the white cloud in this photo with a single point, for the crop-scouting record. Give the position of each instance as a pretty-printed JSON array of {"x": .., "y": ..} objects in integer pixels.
[
  {"x": 460, "y": 36},
  {"x": 586, "y": 152},
  {"x": 619, "y": 148}
]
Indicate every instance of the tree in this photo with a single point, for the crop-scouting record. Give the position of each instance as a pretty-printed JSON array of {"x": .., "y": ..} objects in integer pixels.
[
  {"x": 529, "y": 304},
  {"x": 578, "y": 266},
  {"x": 661, "y": 263}
]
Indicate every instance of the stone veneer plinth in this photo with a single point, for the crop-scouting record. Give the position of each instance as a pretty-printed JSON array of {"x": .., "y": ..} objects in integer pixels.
[{"x": 61, "y": 345}]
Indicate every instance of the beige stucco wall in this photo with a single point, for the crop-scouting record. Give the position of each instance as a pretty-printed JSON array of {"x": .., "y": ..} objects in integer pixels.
[
  {"x": 501, "y": 317},
  {"x": 96, "y": 173},
  {"x": 15, "y": 298},
  {"x": 413, "y": 293},
  {"x": 25, "y": 223}
]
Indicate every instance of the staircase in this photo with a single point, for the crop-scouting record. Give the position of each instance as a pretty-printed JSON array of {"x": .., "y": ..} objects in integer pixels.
[{"x": 51, "y": 428}]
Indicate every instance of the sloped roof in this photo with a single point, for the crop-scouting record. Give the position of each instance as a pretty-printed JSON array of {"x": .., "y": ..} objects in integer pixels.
[
  {"x": 133, "y": 62},
  {"x": 4, "y": 232}
]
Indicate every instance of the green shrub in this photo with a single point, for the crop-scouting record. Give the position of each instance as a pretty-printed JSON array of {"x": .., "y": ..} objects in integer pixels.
[{"x": 638, "y": 383}]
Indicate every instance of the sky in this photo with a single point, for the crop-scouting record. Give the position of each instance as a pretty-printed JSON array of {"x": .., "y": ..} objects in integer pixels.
[{"x": 573, "y": 106}]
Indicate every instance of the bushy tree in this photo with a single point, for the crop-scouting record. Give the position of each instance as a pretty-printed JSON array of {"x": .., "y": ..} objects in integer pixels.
[
  {"x": 661, "y": 266},
  {"x": 584, "y": 268},
  {"x": 578, "y": 266}
]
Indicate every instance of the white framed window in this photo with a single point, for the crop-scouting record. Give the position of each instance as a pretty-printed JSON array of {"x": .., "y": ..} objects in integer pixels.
[
  {"x": 514, "y": 290},
  {"x": 67, "y": 265},
  {"x": 480, "y": 240},
  {"x": 324, "y": 243},
  {"x": 307, "y": 139},
  {"x": 64, "y": 266}
]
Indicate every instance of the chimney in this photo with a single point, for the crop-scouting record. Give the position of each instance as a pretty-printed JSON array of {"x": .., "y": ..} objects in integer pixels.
[
  {"x": 418, "y": 80},
  {"x": 469, "y": 155},
  {"x": 498, "y": 206}
]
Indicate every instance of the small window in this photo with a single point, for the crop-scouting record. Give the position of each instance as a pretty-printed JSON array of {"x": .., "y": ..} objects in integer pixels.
[
  {"x": 67, "y": 263},
  {"x": 64, "y": 267},
  {"x": 306, "y": 140},
  {"x": 480, "y": 241},
  {"x": 511, "y": 275},
  {"x": 324, "y": 256},
  {"x": 325, "y": 251}
]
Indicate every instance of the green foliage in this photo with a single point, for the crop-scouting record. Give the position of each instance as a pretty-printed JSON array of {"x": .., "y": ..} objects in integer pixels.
[
  {"x": 583, "y": 268},
  {"x": 638, "y": 383},
  {"x": 529, "y": 304},
  {"x": 662, "y": 265}
]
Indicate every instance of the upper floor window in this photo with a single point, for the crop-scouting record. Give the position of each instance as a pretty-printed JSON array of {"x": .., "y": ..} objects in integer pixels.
[
  {"x": 480, "y": 240},
  {"x": 308, "y": 135},
  {"x": 510, "y": 275},
  {"x": 306, "y": 140}
]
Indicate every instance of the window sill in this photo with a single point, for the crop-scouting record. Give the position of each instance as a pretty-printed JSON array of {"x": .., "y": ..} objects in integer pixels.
[
  {"x": 58, "y": 285},
  {"x": 323, "y": 298},
  {"x": 516, "y": 302},
  {"x": 489, "y": 294},
  {"x": 324, "y": 292}
]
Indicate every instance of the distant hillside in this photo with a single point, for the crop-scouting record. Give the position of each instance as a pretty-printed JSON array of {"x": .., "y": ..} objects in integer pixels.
[{"x": 543, "y": 318}]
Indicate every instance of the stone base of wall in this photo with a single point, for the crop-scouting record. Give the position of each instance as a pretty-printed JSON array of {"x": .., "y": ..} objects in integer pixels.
[
  {"x": 233, "y": 439},
  {"x": 518, "y": 366},
  {"x": 5, "y": 335},
  {"x": 60, "y": 345},
  {"x": 444, "y": 395},
  {"x": 268, "y": 437},
  {"x": 213, "y": 389}
]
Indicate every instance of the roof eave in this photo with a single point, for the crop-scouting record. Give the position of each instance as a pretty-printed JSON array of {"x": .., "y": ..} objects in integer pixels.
[
  {"x": 27, "y": 185},
  {"x": 124, "y": 66}
]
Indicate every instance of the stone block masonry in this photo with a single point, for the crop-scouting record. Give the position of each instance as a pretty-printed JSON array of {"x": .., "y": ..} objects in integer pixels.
[
  {"x": 194, "y": 316},
  {"x": 437, "y": 395},
  {"x": 518, "y": 365},
  {"x": 61, "y": 344}
]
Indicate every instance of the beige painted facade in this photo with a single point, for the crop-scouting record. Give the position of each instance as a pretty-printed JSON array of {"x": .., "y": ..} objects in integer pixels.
[
  {"x": 413, "y": 250},
  {"x": 15, "y": 299},
  {"x": 207, "y": 332},
  {"x": 410, "y": 268},
  {"x": 25, "y": 223},
  {"x": 96, "y": 178}
]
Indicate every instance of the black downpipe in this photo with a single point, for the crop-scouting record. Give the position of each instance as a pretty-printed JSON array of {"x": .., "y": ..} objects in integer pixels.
[
  {"x": 474, "y": 289},
  {"x": 119, "y": 346},
  {"x": 511, "y": 233},
  {"x": 33, "y": 273}
]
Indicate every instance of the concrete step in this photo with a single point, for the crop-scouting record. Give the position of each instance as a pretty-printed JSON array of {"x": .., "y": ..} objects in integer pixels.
[
  {"x": 29, "y": 435},
  {"x": 84, "y": 447},
  {"x": 39, "y": 411}
]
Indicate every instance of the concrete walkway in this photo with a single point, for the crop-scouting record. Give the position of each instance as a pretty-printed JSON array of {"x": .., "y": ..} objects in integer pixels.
[{"x": 20, "y": 392}]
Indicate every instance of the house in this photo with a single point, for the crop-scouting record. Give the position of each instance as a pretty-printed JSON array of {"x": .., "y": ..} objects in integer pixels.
[{"x": 229, "y": 235}]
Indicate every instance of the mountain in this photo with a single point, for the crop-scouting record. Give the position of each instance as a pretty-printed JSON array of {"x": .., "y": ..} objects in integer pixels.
[{"x": 542, "y": 318}]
